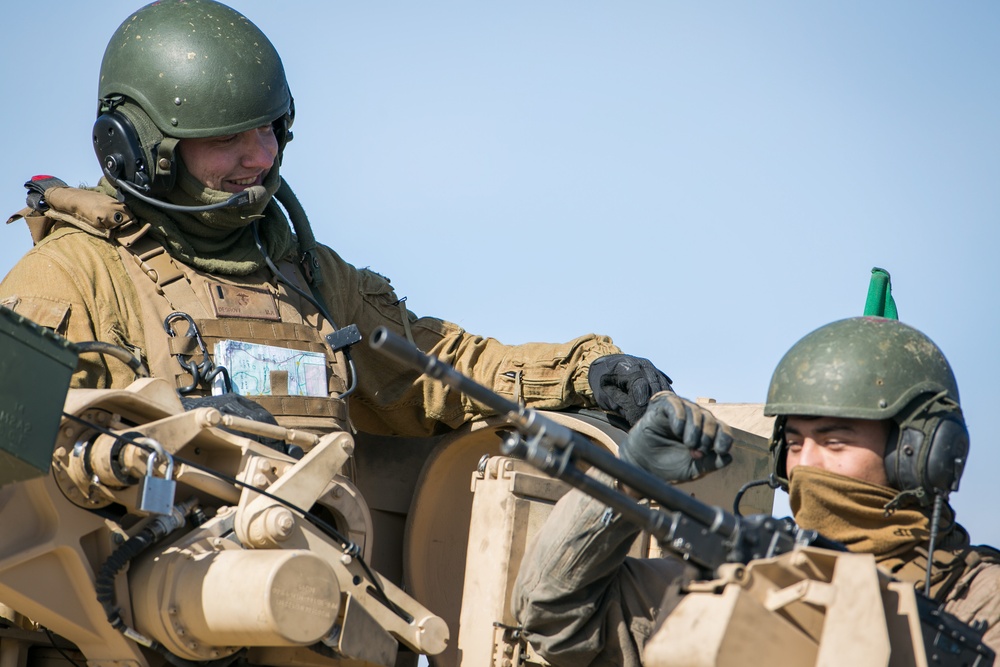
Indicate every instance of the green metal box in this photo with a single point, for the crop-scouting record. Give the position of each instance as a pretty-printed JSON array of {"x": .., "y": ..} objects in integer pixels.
[{"x": 35, "y": 370}]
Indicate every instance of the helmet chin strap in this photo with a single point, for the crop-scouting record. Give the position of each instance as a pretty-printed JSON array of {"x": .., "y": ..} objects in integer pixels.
[{"x": 249, "y": 196}]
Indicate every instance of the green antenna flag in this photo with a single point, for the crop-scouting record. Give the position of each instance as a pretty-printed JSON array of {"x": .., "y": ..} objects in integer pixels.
[{"x": 880, "y": 302}]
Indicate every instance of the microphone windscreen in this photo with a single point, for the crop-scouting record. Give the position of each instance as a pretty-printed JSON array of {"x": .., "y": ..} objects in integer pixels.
[{"x": 255, "y": 193}]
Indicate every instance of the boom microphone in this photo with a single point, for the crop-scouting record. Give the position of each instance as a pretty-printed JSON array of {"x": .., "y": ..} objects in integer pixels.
[{"x": 251, "y": 195}]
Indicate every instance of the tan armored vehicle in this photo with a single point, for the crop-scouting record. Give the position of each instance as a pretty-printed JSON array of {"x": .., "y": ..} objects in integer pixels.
[
  {"x": 160, "y": 534},
  {"x": 136, "y": 533}
]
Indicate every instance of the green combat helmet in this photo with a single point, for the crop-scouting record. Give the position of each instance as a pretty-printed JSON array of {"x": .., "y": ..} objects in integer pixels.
[
  {"x": 178, "y": 70},
  {"x": 874, "y": 368}
]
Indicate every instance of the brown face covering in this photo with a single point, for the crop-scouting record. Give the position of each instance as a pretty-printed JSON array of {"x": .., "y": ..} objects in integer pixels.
[{"x": 853, "y": 513}]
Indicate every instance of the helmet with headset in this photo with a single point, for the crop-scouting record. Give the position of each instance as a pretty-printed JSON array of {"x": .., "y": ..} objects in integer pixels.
[
  {"x": 879, "y": 369},
  {"x": 179, "y": 69}
]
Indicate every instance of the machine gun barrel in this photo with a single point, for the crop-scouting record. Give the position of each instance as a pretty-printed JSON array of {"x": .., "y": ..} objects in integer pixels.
[{"x": 705, "y": 535}]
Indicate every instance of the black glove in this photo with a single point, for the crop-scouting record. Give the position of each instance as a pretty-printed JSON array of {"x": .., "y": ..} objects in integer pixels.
[
  {"x": 677, "y": 440},
  {"x": 623, "y": 384}
]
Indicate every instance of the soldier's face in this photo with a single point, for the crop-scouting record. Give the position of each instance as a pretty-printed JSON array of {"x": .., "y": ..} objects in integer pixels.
[
  {"x": 850, "y": 447},
  {"x": 231, "y": 163}
]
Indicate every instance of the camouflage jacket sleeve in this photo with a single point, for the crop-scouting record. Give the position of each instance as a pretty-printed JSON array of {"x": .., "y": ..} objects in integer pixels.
[
  {"x": 394, "y": 400},
  {"x": 73, "y": 283},
  {"x": 580, "y": 600}
]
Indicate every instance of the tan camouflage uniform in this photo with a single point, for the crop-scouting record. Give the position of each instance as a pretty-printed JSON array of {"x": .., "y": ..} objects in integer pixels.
[{"x": 75, "y": 281}]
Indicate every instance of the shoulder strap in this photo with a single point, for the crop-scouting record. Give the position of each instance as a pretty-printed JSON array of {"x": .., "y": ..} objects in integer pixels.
[
  {"x": 50, "y": 200},
  {"x": 37, "y": 186}
]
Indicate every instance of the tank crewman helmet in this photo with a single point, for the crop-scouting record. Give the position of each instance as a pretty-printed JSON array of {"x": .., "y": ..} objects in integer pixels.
[
  {"x": 180, "y": 69},
  {"x": 881, "y": 369}
]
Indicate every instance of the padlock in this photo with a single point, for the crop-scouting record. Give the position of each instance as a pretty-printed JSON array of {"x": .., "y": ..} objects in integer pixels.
[{"x": 156, "y": 494}]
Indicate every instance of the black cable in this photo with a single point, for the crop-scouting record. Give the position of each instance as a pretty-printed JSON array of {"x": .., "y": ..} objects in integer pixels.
[
  {"x": 770, "y": 481},
  {"x": 52, "y": 640},
  {"x": 320, "y": 307},
  {"x": 242, "y": 198},
  {"x": 104, "y": 586},
  {"x": 115, "y": 351},
  {"x": 104, "y": 581},
  {"x": 935, "y": 523}
]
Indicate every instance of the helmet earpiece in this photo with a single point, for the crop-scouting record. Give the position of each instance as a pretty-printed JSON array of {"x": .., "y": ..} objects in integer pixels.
[
  {"x": 124, "y": 156},
  {"x": 928, "y": 449},
  {"x": 283, "y": 128},
  {"x": 778, "y": 450},
  {"x": 117, "y": 146}
]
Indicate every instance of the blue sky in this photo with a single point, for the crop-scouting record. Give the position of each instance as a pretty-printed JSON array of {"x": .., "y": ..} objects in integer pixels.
[{"x": 704, "y": 182}]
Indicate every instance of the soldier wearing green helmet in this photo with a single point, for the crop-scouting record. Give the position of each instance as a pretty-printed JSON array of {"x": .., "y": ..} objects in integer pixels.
[
  {"x": 869, "y": 440},
  {"x": 192, "y": 242}
]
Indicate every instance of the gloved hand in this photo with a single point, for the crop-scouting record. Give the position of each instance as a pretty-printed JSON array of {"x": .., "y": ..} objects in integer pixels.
[
  {"x": 623, "y": 384},
  {"x": 677, "y": 440}
]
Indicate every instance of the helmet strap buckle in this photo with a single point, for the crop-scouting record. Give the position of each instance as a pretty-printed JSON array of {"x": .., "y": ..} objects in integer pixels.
[
  {"x": 110, "y": 103},
  {"x": 164, "y": 165}
]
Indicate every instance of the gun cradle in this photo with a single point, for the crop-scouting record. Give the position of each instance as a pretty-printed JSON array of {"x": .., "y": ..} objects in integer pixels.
[
  {"x": 244, "y": 572},
  {"x": 806, "y": 607}
]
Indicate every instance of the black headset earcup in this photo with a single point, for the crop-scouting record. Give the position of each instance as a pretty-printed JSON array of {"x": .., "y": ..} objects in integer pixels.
[
  {"x": 928, "y": 451},
  {"x": 119, "y": 150},
  {"x": 947, "y": 453},
  {"x": 902, "y": 462}
]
